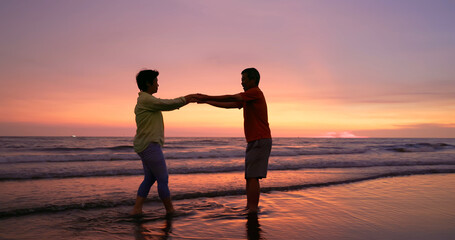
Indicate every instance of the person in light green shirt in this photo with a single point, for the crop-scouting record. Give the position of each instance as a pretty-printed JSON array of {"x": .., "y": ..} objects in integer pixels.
[{"x": 149, "y": 137}]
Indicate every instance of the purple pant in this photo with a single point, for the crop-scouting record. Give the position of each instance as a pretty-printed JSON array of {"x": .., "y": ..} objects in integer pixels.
[{"x": 154, "y": 170}]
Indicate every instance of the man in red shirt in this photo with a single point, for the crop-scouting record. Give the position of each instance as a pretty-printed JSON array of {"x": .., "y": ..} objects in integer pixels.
[{"x": 257, "y": 131}]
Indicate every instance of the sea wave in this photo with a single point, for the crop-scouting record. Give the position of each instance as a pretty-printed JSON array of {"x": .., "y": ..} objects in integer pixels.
[
  {"x": 221, "y": 168},
  {"x": 125, "y": 152},
  {"x": 84, "y": 149},
  {"x": 182, "y": 196},
  {"x": 419, "y": 147},
  {"x": 42, "y": 158}
]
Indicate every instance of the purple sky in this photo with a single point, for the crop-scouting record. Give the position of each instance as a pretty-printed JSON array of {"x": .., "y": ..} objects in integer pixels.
[{"x": 329, "y": 68}]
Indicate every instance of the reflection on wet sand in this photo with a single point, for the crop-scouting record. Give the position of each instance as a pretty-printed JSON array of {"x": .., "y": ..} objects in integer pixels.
[
  {"x": 144, "y": 232},
  {"x": 253, "y": 228}
]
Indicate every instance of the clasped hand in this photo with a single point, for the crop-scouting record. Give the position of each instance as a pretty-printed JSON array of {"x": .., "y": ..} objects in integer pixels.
[{"x": 198, "y": 97}]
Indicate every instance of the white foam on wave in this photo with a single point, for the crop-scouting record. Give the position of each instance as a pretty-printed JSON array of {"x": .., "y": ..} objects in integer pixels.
[
  {"x": 68, "y": 158},
  {"x": 202, "y": 151},
  {"x": 213, "y": 153}
]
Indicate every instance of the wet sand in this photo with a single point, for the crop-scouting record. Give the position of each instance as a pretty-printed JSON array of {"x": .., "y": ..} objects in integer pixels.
[{"x": 412, "y": 207}]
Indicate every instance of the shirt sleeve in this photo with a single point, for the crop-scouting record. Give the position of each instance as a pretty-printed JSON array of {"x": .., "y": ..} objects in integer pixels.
[
  {"x": 250, "y": 94},
  {"x": 152, "y": 103}
]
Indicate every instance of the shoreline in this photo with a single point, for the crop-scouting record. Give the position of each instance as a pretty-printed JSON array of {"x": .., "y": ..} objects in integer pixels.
[
  {"x": 208, "y": 185},
  {"x": 405, "y": 207}
]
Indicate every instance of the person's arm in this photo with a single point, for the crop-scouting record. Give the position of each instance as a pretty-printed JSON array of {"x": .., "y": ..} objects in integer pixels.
[
  {"x": 157, "y": 104},
  {"x": 222, "y": 98},
  {"x": 225, "y": 104}
]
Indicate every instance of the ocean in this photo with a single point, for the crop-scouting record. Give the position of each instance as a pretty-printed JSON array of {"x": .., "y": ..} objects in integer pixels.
[{"x": 83, "y": 187}]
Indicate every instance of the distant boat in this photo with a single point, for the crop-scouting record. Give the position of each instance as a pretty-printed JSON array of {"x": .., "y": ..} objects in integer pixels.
[{"x": 73, "y": 135}]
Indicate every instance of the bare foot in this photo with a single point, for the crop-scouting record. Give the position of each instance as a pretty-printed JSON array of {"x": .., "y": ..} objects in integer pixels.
[
  {"x": 136, "y": 212},
  {"x": 170, "y": 212}
]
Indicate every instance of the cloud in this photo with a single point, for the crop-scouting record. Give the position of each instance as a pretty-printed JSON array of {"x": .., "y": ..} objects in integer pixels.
[
  {"x": 425, "y": 130},
  {"x": 345, "y": 134},
  {"x": 382, "y": 95}
]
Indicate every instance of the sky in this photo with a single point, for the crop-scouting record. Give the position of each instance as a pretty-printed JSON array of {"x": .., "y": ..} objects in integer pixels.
[{"x": 351, "y": 68}]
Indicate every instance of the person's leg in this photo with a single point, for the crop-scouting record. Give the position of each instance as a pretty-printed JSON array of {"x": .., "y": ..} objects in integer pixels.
[
  {"x": 137, "y": 209},
  {"x": 167, "y": 202},
  {"x": 149, "y": 180},
  {"x": 253, "y": 191},
  {"x": 142, "y": 193},
  {"x": 256, "y": 165},
  {"x": 159, "y": 170}
]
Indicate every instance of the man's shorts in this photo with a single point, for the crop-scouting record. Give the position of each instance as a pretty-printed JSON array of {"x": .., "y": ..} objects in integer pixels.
[{"x": 257, "y": 158}]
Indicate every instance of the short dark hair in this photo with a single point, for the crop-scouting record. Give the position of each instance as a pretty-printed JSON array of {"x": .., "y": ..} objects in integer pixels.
[
  {"x": 252, "y": 73},
  {"x": 144, "y": 77}
]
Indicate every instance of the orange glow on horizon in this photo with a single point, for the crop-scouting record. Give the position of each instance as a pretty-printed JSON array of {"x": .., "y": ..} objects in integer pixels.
[{"x": 335, "y": 70}]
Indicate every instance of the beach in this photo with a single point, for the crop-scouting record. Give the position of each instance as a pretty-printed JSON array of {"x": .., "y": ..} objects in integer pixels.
[
  {"x": 409, "y": 207},
  {"x": 84, "y": 188},
  {"x": 417, "y": 207}
]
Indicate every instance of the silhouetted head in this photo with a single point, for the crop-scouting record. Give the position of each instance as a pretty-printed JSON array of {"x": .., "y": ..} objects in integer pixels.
[
  {"x": 250, "y": 78},
  {"x": 146, "y": 79}
]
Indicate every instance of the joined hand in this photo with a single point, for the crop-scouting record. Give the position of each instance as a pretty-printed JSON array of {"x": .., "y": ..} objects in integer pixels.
[{"x": 198, "y": 97}]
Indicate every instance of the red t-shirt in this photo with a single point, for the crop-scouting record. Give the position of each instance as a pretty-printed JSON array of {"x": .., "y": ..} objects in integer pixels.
[{"x": 255, "y": 120}]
